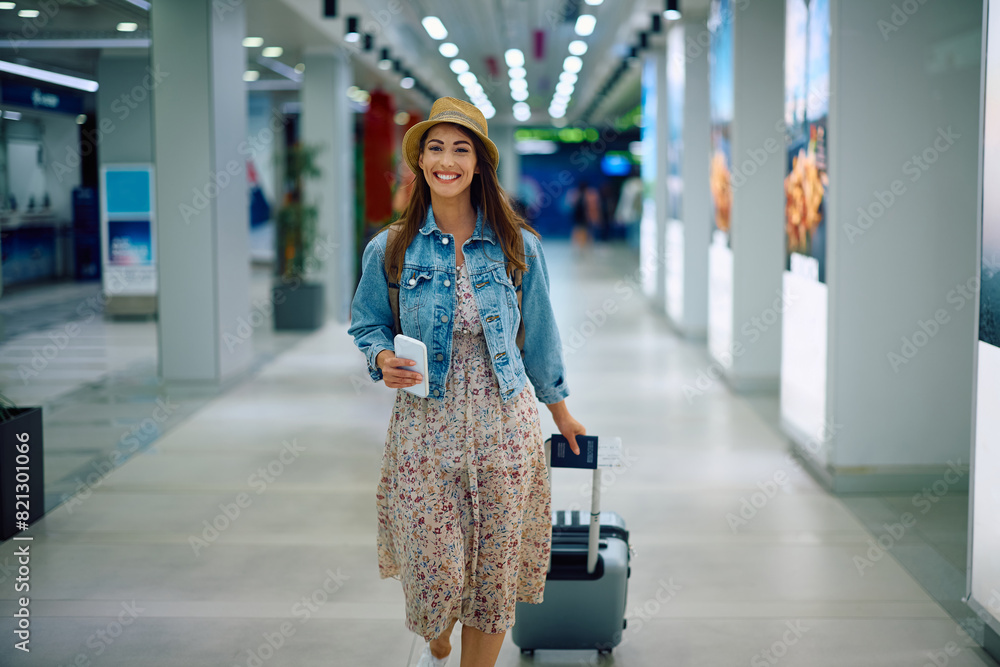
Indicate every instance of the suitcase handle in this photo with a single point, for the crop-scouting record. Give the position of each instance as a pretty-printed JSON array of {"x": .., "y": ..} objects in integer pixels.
[{"x": 594, "y": 536}]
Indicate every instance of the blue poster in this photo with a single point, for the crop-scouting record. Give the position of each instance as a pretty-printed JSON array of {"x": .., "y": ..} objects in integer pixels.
[
  {"x": 130, "y": 243},
  {"x": 127, "y": 191}
]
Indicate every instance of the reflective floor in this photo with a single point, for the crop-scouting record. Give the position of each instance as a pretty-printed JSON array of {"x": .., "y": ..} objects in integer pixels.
[{"x": 244, "y": 534}]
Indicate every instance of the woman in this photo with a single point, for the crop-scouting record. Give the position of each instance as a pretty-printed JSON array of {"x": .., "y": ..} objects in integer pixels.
[{"x": 463, "y": 502}]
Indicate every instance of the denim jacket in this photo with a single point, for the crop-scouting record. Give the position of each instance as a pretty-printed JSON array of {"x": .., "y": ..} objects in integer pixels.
[{"x": 427, "y": 308}]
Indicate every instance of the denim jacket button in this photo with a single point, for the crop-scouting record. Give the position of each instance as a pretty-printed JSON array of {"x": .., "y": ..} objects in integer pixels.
[
  {"x": 447, "y": 283},
  {"x": 444, "y": 318},
  {"x": 437, "y": 393},
  {"x": 440, "y": 357},
  {"x": 413, "y": 281},
  {"x": 444, "y": 241}
]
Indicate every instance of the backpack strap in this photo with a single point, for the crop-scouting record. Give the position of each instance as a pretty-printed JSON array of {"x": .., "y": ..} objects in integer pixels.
[
  {"x": 393, "y": 286},
  {"x": 517, "y": 277}
]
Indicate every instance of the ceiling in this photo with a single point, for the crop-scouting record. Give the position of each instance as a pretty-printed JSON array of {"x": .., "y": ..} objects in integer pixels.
[{"x": 482, "y": 29}]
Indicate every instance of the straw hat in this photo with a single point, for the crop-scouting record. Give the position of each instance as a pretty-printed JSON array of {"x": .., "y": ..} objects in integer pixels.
[{"x": 449, "y": 110}]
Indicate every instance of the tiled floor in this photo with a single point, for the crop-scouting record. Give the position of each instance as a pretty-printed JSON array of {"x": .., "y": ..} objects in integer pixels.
[{"x": 213, "y": 549}]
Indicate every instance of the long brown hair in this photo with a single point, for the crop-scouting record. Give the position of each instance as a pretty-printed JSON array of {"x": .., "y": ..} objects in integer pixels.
[{"x": 486, "y": 194}]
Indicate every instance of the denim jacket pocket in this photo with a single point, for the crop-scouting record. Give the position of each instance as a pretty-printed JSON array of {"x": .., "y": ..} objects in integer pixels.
[{"x": 413, "y": 288}]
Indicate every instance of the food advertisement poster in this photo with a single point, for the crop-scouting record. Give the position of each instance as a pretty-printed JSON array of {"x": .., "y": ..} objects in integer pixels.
[
  {"x": 720, "y": 63},
  {"x": 807, "y": 86}
]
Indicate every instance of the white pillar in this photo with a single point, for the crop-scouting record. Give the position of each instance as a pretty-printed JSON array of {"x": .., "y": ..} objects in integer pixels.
[
  {"x": 901, "y": 247},
  {"x": 510, "y": 160},
  {"x": 745, "y": 278},
  {"x": 327, "y": 121},
  {"x": 690, "y": 227},
  {"x": 654, "y": 176},
  {"x": 199, "y": 121}
]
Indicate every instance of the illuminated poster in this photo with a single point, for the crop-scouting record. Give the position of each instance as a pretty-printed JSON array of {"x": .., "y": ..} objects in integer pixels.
[
  {"x": 128, "y": 230},
  {"x": 807, "y": 87},
  {"x": 984, "y": 573},
  {"x": 675, "y": 119},
  {"x": 720, "y": 60}
]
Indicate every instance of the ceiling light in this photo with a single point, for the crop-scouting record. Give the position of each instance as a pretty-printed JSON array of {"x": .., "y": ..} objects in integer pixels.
[
  {"x": 519, "y": 95},
  {"x": 518, "y": 84},
  {"x": 402, "y": 118},
  {"x": 12, "y": 115},
  {"x": 434, "y": 27},
  {"x": 384, "y": 63},
  {"x": 406, "y": 82},
  {"x": 475, "y": 89},
  {"x": 272, "y": 52},
  {"x": 466, "y": 78},
  {"x": 448, "y": 50},
  {"x": 489, "y": 112},
  {"x": 7, "y": 5},
  {"x": 51, "y": 77},
  {"x": 585, "y": 24},
  {"x": 560, "y": 98},
  {"x": 568, "y": 77},
  {"x": 522, "y": 105},
  {"x": 458, "y": 66},
  {"x": 556, "y": 113},
  {"x": 673, "y": 11},
  {"x": 514, "y": 58},
  {"x": 517, "y": 72},
  {"x": 253, "y": 42},
  {"x": 81, "y": 119},
  {"x": 565, "y": 88},
  {"x": 572, "y": 64},
  {"x": 578, "y": 47},
  {"x": 594, "y": 3},
  {"x": 352, "y": 34},
  {"x": 28, "y": 13},
  {"x": 300, "y": 68},
  {"x": 352, "y": 91},
  {"x": 251, "y": 75},
  {"x": 127, "y": 26},
  {"x": 522, "y": 111}
]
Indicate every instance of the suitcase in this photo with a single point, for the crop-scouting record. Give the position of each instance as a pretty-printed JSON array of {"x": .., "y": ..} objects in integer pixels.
[{"x": 583, "y": 607}]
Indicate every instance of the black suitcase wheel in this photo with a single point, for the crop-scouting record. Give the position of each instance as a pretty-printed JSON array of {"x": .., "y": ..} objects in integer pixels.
[{"x": 528, "y": 651}]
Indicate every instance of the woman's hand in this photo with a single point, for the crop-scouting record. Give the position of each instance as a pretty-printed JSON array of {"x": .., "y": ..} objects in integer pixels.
[
  {"x": 394, "y": 372},
  {"x": 567, "y": 425}
]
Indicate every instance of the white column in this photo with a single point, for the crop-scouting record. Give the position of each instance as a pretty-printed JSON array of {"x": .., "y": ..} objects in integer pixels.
[
  {"x": 199, "y": 121},
  {"x": 654, "y": 165},
  {"x": 689, "y": 232},
  {"x": 327, "y": 121},
  {"x": 747, "y": 347},
  {"x": 902, "y": 244}
]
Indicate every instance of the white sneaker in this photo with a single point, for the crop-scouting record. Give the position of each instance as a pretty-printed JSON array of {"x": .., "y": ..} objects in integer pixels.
[{"x": 427, "y": 658}]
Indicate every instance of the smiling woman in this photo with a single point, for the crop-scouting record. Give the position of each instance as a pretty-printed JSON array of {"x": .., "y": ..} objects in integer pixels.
[{"x": 463, "y": 502}]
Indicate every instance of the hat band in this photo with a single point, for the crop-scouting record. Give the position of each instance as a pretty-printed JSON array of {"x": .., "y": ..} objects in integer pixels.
[{"x": 459, "y": 116}]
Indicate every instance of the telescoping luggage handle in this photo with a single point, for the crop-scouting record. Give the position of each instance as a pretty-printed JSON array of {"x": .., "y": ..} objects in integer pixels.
[{"x": 596, "y": 463}]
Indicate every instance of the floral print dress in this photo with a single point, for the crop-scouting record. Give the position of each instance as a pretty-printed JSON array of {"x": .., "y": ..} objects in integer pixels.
[{"x": 464, "y": 505}]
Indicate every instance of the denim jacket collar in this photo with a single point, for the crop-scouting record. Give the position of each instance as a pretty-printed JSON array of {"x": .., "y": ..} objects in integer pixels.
[{"x": 483, "y": 231}]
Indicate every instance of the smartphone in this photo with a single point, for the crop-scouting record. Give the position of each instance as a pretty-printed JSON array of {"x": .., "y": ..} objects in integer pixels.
[{"x": 411, "y": 348}]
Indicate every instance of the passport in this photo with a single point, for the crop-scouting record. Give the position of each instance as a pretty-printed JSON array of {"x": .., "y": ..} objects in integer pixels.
[{"x": 563, "y": 456}]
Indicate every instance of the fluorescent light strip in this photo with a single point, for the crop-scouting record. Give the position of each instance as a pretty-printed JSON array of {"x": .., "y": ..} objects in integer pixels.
[
  {"x": 112, "y": 43},
  {"x": 141, "y": 4},
  {"x": 50, "y": 77},
  {"x": 281, "y": 68}
]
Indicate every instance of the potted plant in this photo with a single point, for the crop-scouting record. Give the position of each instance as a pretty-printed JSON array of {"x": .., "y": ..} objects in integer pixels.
[
  {"x": 22, "y": 480},
  {"x": 298, "y": 303}
]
